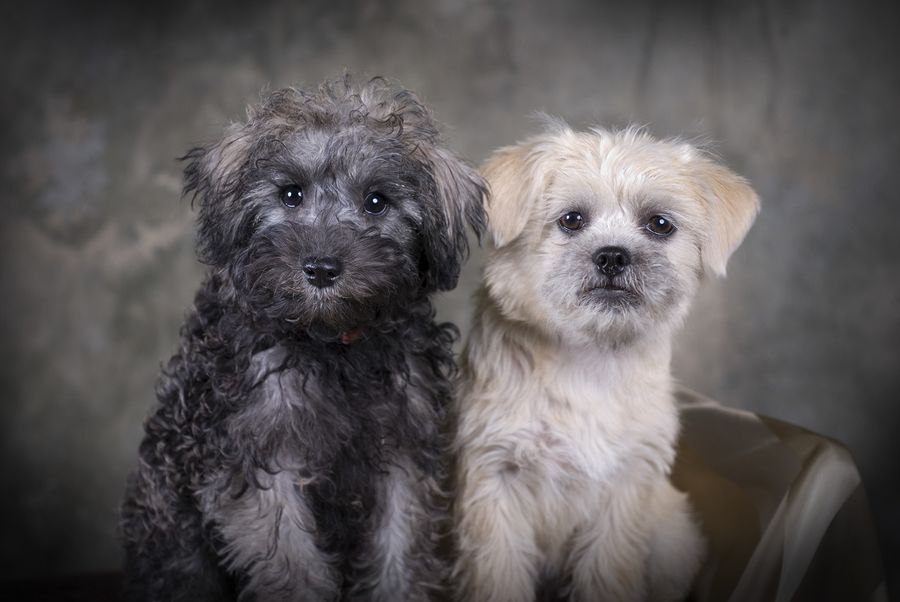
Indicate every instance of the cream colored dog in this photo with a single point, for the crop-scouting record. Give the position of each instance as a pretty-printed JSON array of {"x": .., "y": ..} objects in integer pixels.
[{"x": 566, "y": 419}]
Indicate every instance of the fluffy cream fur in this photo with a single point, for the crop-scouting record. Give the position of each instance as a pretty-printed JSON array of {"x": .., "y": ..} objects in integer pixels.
[{"x": 566, "y": 420}]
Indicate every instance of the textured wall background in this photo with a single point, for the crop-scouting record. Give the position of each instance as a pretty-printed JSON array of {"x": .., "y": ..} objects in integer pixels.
[{"x": 97, "y": 260}]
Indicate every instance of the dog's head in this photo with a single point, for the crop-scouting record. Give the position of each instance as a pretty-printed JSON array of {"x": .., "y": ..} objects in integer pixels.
[
  {"x": 608, "y": 233},
  {"x": 334, "y": 207}
]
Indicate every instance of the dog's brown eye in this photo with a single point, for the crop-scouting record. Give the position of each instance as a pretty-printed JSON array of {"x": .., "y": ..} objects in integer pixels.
[
  {"x": 291, "y": 196},
  {"x": 571, "y": 221},
  {"x": 660, "y": 226},
  {"x": 375, "y": 204}
]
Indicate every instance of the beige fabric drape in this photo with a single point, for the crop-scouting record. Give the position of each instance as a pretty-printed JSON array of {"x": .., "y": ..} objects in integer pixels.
[{"x": 783, "y": 510}]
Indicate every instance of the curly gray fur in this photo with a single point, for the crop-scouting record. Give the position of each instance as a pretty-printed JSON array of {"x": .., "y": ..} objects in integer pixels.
[{"x": 288, "y": 459}]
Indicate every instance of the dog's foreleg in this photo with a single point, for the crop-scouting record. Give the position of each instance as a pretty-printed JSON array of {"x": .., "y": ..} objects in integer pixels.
[
  {"x": 609, "y": 552},
  {"x": 497, "y": 554},
  {"x": 400, "y": 562},
  {"x": 676, "y": 546},
  {"x": 166, "y": 556},
  {"x": 269, "y": 540}
]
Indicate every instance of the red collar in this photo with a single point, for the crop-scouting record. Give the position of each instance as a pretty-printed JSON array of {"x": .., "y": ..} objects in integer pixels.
[{"x": 350, "y": 336}]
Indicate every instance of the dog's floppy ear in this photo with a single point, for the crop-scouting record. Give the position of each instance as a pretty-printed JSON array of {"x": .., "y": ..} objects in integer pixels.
[
  {"x": 731, "y": 206},
  {"x": 212, "y": 175},
  {"x": 458, "y": 190},
  {"x": 515, "y": 182}
]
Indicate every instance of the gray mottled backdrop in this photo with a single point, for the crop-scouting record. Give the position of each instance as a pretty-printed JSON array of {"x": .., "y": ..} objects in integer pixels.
[{"x": 97, "y": 258}]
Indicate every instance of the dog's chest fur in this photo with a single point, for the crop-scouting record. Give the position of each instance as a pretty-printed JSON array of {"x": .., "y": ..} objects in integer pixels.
[
  {"x": 584, "y": 422},
  {"x": 602, "y": 414},
  {"x": 275, "y": 432},
  {"x": 329, "y": 427},
  {"x": 581, "y": 427}
]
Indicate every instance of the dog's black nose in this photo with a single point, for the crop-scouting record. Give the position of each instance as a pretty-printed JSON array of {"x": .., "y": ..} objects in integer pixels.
[
  {"x": 611, "y": 260},
  {"x": 322, "y": 271}
]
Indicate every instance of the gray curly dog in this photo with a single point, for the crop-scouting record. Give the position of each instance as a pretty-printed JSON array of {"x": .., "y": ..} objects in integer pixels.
[{"x": 296, "y": 449}]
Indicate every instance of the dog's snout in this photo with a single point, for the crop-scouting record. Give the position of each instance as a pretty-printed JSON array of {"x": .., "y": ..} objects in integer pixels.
[
  {"x": 322, "y": 271},
  {"x": 612, "y": 260}
]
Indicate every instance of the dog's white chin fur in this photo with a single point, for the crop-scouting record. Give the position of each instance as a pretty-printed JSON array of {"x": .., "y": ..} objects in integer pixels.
[
  {"x": 566, "y": 419},
  {"x": 571, "y": 316}
]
